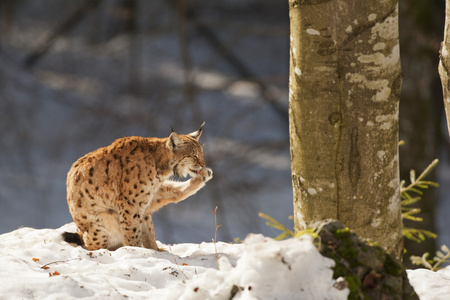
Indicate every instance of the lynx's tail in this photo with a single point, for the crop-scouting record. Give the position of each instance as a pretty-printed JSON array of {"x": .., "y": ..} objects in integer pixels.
[{"x": 73, "y": 238}]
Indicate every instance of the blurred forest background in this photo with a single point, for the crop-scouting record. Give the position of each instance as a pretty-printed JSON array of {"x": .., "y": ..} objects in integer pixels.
[{"x": 76, "y": 75}]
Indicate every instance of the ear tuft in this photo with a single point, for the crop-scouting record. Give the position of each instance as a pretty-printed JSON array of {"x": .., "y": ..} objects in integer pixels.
[
  {"x": 196, "y": 134},
  {"x": 174, "y": 141}
]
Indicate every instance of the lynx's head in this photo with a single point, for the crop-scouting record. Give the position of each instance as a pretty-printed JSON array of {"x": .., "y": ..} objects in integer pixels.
[{"x": 187, "y": 153}]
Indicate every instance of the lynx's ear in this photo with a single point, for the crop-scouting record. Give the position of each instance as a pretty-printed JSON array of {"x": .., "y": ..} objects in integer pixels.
[
  {"x": 174, "y": 142},
  {"x": 196, "y": 134}
]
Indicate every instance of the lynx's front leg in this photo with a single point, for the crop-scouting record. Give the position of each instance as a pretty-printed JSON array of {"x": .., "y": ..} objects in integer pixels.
[
  {"x": 148, "y": 232},
  {"x": 173, "y": 192},
  {"x": 131, "y": 224}
]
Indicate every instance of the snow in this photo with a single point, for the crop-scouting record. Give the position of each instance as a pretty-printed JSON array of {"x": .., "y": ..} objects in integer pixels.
[
  {"x": 37, "y": 264},
  {"x": 430, "y": 285}
]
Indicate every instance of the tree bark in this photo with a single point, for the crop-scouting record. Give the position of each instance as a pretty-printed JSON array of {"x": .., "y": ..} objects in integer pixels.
[
  {"x": 344, "y": 89},
  {"x": 444, "y": 63}
]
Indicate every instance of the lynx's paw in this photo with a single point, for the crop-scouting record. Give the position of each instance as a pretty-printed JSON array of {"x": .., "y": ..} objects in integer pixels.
[{"x": 206, "y": 174}]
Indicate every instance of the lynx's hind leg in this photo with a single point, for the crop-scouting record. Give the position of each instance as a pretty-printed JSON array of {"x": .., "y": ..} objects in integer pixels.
[
  {"x": 100, "y": 231},
  {"x": 95, "y": 238},
  {"x": 110, "y": 221},
  {"x": 92, "y": 232}
]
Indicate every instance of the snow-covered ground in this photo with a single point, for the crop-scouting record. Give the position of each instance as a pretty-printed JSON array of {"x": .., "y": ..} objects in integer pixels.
[
  {"x": 37, "y": 264},
  {"x": 431, "y": 285}
]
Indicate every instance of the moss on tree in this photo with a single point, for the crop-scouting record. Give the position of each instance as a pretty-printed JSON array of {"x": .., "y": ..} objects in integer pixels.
[{"x": 369, "y": 271}]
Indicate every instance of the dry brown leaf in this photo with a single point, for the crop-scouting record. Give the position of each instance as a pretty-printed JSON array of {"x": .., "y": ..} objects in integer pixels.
[{"x": 56, "y": 273}]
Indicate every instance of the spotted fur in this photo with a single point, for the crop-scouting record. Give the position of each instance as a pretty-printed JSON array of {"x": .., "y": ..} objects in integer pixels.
[{"x": 113, "y": 191}]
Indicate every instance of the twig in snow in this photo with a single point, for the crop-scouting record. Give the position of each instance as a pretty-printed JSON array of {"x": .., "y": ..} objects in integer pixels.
[
  {"x": 45, "y": 267},
  {"x": 215, "y": 234},
  {"x": 175, "y": 260}
]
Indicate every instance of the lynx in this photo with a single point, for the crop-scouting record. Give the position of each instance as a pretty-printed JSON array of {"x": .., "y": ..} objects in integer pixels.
[{"x": 113, "y": 191}]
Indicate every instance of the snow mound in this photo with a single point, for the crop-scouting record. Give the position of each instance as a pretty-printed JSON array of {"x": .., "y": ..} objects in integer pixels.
[
  {"x": 268, "y": 269},
  {"x": 37, "y": 264},
  {"x": 430, "y": 285}
]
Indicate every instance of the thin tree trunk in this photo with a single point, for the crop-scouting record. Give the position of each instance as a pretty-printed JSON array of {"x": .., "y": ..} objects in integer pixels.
[
  {"x": 444, "y": 63},
  {"x": 131, "y": 27},
  {"x": 345, "y": 80},
  {"x": 63, "y": 28},
  {"x": 420, "y": 100}
]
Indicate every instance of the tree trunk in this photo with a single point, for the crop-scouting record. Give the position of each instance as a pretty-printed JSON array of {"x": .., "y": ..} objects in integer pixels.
[
  {"x": 345, "y": 80},
  {"x": 444, "y": 63}
]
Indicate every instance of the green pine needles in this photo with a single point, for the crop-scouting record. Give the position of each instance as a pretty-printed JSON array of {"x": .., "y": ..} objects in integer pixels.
[
  {"x": 271, "y": 222},
  {"x": 287, "y": 233},
  {"x": 434, "y": 264},
  {"x": 411, "y": 195}
]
